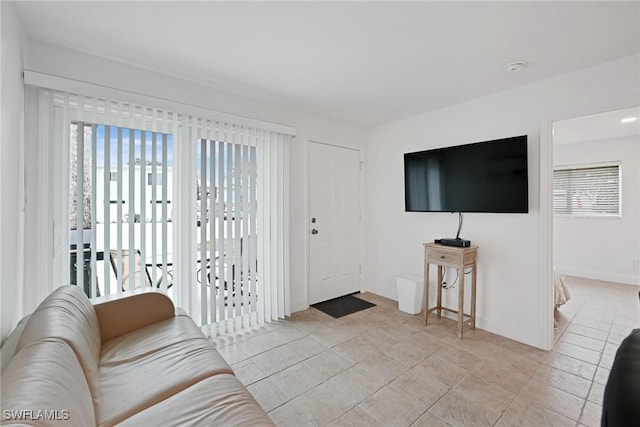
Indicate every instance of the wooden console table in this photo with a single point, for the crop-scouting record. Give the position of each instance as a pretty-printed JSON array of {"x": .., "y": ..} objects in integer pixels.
[{"x": 454, "y": 257}]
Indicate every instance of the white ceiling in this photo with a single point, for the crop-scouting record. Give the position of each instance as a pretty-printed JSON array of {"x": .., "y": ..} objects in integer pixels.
[
  {"x": 364, "y": 62},
  {"x": 597, "y": 127}
]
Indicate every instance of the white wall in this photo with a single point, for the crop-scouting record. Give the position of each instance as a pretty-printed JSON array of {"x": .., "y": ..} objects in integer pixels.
[
  {"x": 511, "y": 298},
  {"x": 11, "y": 150},
  {"x": 602, "y": 248},
  {"x": 71, "y": 64}
]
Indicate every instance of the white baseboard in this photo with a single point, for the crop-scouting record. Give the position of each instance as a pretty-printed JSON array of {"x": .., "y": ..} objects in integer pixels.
[
  {"x": 385, "y": 292},
  {"x": 499, "y": 328},
  {"x": 532, "y": 338},
  {"x": 601, "y": 275},
  {"x": 299, "y": 305}
]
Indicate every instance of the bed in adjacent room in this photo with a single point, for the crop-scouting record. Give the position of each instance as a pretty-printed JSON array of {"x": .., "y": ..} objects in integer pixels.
[{"x": 561, "y": 291}]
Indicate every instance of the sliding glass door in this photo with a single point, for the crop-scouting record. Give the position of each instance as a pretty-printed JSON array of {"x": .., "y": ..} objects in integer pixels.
[
  {"x": 128, "y": 196},
  {"x": 225, "y": 219}
]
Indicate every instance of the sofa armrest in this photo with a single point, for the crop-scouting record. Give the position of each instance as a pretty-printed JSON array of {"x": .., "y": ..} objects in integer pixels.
[{"x": 122, "y": 313}]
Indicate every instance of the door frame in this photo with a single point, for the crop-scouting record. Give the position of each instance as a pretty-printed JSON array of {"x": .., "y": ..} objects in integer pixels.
[
  {"x": 307, "y": 220},
  {"x": 546, "y": 200}
]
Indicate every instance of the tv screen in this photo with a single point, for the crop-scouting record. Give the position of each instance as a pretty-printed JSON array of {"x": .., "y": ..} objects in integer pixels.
[{"x": 488, "y": 176}]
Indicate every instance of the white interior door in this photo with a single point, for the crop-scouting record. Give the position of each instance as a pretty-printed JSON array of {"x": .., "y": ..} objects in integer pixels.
[{"x": 334, "y": 222}]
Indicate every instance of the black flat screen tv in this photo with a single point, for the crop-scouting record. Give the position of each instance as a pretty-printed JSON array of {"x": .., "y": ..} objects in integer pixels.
[{"x": 490, "y": 176}]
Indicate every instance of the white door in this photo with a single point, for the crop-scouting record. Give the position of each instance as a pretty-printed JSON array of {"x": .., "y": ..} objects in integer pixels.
[{"x": 334, "y": 222}]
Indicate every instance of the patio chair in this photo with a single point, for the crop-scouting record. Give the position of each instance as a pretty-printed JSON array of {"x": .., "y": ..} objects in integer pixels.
[
  {"x": 236, "y": 278},
  {"x": 140, "y": 278}
]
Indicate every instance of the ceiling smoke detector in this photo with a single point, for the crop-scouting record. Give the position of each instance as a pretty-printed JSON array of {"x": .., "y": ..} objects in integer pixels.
[{"x": 514, "y": 66}]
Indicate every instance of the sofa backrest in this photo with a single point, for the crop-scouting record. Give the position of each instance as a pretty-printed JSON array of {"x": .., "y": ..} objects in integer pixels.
[
  {"x": 68, "y": 315},
  {"x": 44, "y": 384}
]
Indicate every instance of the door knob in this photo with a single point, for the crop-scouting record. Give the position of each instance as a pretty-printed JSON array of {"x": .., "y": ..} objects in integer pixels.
[
  {"x": 314, "y": 231},
  {"x": 313, "y": 220}
]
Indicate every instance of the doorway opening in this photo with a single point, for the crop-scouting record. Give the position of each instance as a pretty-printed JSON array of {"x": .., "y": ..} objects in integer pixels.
[{"x": 596, "y": 232}]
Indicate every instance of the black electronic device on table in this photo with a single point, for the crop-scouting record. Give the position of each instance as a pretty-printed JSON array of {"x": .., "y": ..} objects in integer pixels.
[{"x": 459, "y": 243}]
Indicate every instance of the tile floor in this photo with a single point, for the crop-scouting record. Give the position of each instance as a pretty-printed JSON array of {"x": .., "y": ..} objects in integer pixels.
[{"x": 381, "y": 367}]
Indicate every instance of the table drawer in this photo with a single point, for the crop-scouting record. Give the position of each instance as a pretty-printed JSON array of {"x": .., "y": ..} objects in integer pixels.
[{"x": 444, "y": 257}]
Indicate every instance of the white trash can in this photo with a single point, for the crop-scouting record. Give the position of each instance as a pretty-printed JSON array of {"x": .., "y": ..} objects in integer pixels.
[{"x": 410, "y": 293}]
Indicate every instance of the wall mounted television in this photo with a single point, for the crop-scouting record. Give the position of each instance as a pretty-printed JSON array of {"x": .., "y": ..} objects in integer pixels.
[{"x": 490, "y": 176}]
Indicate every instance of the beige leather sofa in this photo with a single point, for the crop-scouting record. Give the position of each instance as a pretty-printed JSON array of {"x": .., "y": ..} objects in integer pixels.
[{"x": 129, "y": 361}]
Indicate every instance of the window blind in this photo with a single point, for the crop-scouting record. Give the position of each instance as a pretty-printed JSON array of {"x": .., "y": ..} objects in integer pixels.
[
  {"x": 241, "y": 224},
  {"x": 109, "y": 229},
  {"x": 592, "y": 191},
  {"x": 194, "y": 206},
  {"x": 119, "y": 221}
]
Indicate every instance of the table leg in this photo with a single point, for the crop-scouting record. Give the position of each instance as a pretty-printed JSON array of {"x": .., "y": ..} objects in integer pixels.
[
  {"x": 426, "y": 289},
  {"x": 473, "y": 297},
  {"x": 460, "y": 300},
  {"x": 439, "y": 291}
]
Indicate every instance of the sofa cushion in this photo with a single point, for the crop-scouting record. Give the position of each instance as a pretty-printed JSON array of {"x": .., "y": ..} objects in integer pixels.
[
  {"x": 46, "y": 375},
  {"x": 67, "y": 314},
  {"x": 149, "y": 339},
  {"x": 136, "y": 376},
  {"x": 620, "y": 406},
  {"x": 216, "y": 401}
]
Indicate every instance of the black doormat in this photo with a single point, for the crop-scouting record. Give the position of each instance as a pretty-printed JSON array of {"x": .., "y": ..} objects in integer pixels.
[{"x": 342, "y": 306}]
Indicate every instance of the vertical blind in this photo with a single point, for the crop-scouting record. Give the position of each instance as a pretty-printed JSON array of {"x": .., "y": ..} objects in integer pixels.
[
  {"x": 88, "y": 232},
  {"x": 241, "y": 259},
  {"x": 592, "y": 191},
  {"x": 119, "y": 200},
  {"x": 219, "y": 249}
]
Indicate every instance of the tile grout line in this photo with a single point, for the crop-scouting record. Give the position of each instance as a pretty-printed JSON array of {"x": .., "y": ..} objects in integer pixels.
[
  {"x": 518, "y": 393},
  {"x": 586, "y": 399},
  {"x": 440, "y": 335}
]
